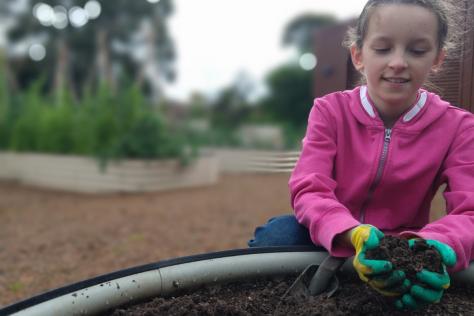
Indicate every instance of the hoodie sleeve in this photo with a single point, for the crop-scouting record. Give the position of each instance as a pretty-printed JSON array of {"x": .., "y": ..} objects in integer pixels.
[
  {"x": 456, "y": 229},
  {"x": 312, "y": 184}
]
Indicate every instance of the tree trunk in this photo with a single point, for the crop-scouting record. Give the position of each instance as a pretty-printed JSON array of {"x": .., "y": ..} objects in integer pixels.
[
  {"x": 149, "y": 67},
  {"x": 104, "y": 67},
  {"x": 60, "y": 75}
]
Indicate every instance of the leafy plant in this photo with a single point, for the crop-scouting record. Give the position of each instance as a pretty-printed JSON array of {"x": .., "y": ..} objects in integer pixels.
[{"x": 101, "y": 124}]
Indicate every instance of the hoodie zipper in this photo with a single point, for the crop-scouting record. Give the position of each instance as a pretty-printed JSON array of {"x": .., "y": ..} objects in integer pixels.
[{"x": 378, "y": 175}]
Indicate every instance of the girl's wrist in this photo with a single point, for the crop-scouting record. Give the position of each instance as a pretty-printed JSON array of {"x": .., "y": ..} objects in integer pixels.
[{"x": 344, "y": 239}]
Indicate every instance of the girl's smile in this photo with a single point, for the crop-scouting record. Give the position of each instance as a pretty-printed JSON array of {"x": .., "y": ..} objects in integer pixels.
[{"x": 396, "y": 80}]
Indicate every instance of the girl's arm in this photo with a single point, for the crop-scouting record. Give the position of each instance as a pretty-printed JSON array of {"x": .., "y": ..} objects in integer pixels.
[
  {"x": 344, "y": 239},
  {"x": 457, "y": 228},
  {"x": 312, "y": 184}
]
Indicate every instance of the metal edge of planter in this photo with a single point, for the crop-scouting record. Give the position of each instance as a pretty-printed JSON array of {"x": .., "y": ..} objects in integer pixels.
[
  {"x": 108, "y": 291},
  {"x": 164, "y": 278}
]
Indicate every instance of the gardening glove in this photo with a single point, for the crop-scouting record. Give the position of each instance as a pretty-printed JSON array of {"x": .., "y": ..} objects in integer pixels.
[
  {"x": 379, "y": 274},
  {"x": 433, "y": 284}
]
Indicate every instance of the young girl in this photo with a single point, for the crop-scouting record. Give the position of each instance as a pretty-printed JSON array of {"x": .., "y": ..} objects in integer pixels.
[{"x": 373, "y": 157}]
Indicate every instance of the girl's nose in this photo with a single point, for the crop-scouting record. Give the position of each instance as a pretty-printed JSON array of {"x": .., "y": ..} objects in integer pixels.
[{"x": 398, "y": 62}]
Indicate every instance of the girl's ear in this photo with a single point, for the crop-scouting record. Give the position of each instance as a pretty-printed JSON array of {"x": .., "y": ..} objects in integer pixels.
[
  {"x": 439, "y": 60},
  {"x": 356, "y": 56}
]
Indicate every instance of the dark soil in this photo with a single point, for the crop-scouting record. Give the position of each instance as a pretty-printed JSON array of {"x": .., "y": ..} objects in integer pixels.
[
  {"x": 411, "y": 261},
  {"x": 262, "y": 297}
]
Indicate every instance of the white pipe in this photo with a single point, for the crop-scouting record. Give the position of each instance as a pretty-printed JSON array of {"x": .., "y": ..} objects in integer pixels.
[
  {"x": 213, "y": 271},
  {"x": 99, "y": 298},
  {"x": 164, "y": 281}
]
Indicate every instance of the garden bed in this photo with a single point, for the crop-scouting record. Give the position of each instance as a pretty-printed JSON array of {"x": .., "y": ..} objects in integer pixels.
[
  {"x": 247, "y": 281},
  {"x": 262, "y": 297},
  {"x": 82, "y": 174}
]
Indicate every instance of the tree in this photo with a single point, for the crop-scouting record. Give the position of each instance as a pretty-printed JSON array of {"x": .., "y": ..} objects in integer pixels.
[
  {"x": 230, "y": 108},
  {"x": 234, "y": 103},
  {"x": 131, "y": 27},
  {"x": 290, "y": 87},
  {"x": 290, "y": 96},
  {"x": 97, "y": 50}
]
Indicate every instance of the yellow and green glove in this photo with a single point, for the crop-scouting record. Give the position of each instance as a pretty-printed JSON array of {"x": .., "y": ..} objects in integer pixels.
[
  {"x": 379, "y": 274},
  {"x": 433, "y": 283}
]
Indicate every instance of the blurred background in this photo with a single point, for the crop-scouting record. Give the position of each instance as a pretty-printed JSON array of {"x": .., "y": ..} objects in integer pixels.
[
  {"x": 98, "y": 77},
  {"x": 145, "y": 81}
]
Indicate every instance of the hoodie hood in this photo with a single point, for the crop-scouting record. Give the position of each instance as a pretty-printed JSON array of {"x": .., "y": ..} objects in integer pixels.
[{"x": 428, "y": 105}]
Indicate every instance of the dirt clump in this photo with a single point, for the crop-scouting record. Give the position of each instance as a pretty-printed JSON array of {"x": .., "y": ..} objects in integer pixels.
[{"x": 410, "y": 260}]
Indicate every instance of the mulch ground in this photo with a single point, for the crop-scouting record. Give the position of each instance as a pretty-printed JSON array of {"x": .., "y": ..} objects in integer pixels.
[{"x": 50, "y": 239}]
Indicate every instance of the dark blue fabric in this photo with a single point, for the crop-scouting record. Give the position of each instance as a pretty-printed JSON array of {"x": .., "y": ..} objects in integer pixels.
[{"x": 282, "y": 230}]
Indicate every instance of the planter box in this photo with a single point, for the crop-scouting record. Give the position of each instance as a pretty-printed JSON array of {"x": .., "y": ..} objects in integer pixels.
[
  {"x": 81, "y": 174},
  {"x": 233, "y": 160},
  {"x": 171, "y": 277}
]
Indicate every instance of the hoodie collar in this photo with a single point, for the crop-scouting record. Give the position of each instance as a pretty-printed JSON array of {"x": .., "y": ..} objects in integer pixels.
[{"x": 369, "y": 108}]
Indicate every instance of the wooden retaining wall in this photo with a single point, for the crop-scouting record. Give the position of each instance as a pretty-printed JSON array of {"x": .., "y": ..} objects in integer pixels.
[
  {"x": 241, "y": 160},
  {"x": 80, "y": 174}
]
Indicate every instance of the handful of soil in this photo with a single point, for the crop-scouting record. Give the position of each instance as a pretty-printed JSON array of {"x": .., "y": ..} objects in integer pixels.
[{"x": 410, "y": 260}]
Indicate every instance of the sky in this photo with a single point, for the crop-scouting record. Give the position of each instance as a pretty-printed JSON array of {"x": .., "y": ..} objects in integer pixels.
[{"x": 218, "y": 40}]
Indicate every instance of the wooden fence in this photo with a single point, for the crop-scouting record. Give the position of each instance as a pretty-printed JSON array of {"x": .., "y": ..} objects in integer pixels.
[{"x": 238, "y": 160}]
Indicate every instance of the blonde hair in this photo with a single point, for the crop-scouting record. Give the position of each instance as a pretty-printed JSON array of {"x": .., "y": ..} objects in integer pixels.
[{"x": 447, "y": 14}]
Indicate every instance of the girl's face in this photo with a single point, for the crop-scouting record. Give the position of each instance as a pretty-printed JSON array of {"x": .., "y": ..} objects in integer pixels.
[{"x": 399, "y": 51}]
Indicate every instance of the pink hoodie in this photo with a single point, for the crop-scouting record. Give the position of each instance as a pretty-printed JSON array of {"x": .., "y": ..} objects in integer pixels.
[{"x": 352, "y": 170}]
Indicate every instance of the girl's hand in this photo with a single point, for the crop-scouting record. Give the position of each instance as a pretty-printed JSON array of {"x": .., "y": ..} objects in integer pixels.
[
  {"x": 379, "y": 274},
  {"x": 433, "y": 283}
]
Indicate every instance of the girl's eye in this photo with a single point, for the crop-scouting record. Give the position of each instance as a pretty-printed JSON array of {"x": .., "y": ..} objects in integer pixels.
[
  {"x": 381, "y": 50},
  {"x": 418, "y": 52}
]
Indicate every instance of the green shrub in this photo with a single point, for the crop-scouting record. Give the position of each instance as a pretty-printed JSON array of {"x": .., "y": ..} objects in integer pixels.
[
  {"x": 101, "y": 124},
  {"x": 148, "y": 138}
]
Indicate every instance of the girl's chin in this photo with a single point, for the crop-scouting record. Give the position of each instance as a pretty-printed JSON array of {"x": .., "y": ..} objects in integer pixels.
[
  {"x": 398, "y": 103},
  {"x": 395, "y": 98},
  {"x": 393, "y": 87},
  {"x": 399, "y": 92}
]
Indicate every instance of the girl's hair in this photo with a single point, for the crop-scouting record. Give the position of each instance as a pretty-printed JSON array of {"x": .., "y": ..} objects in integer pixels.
[{"x": 446, "y": 14}]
